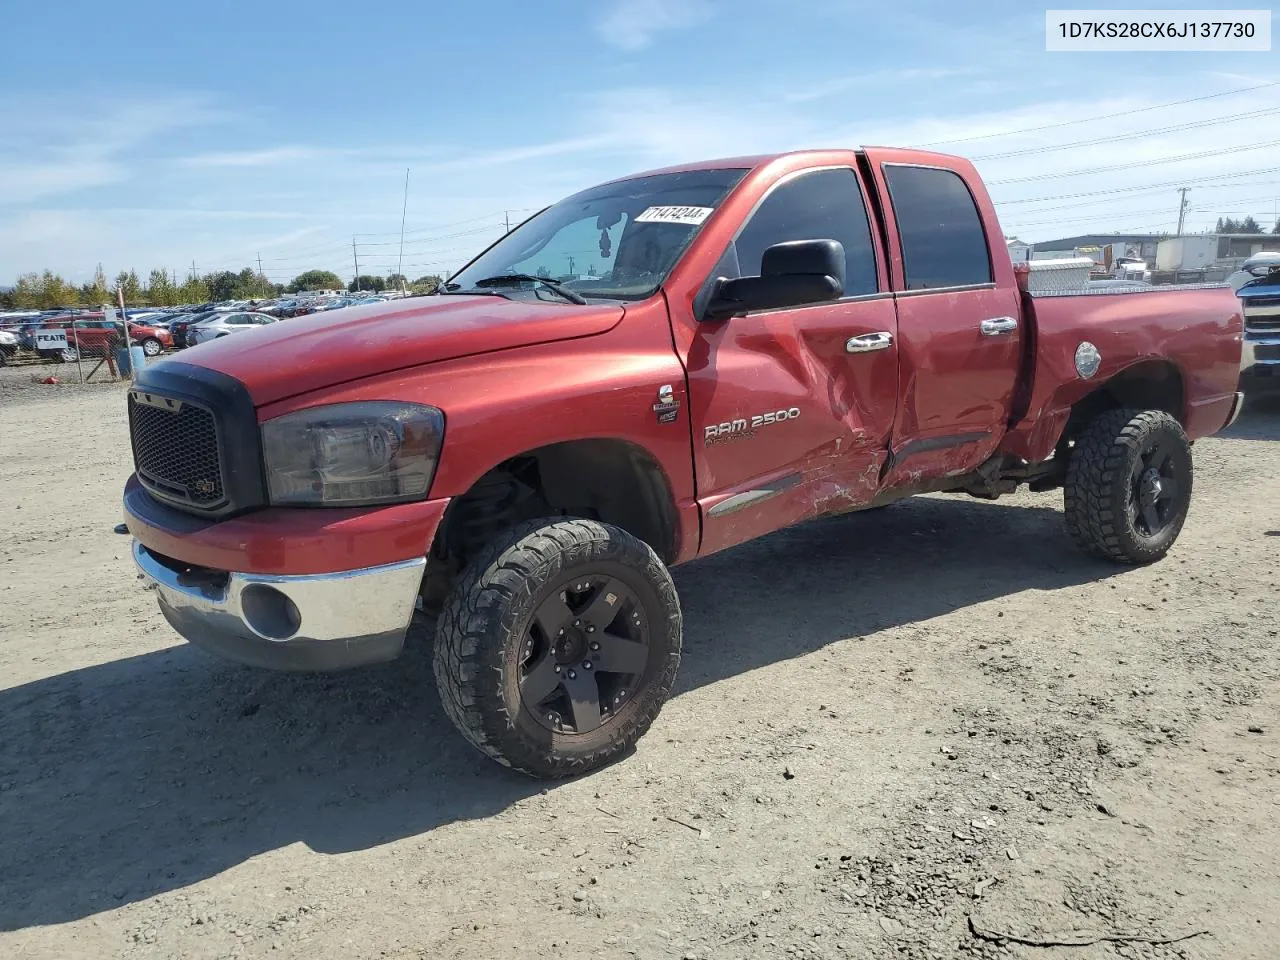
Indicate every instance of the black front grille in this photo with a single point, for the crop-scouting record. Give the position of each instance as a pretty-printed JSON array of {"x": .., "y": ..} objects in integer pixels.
[{"x": 176, "y": 450}]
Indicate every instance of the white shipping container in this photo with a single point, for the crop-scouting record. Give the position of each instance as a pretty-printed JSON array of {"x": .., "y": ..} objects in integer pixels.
[{"x": 1186, "y": 253}]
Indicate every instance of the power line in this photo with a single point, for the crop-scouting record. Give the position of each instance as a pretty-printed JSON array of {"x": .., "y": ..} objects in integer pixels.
[
  {"x": 1138, "y": 135},
  {"x": 1138, "y": 163},
  {"x": 1144, "y": 190},
  {"x": 1104, "y": 116},
  {"x": 1144, "y": 187}
]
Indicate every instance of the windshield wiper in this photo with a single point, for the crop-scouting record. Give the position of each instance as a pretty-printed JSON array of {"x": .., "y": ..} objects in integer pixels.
[{"x": 507, "y": 279}]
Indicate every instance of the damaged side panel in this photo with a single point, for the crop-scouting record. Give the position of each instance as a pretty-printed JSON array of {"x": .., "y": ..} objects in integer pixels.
[{"x": 789, "y": 425}]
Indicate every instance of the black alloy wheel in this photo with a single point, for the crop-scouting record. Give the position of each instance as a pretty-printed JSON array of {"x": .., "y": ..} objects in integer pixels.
[
  {"x": 1153, "y": 495},
  {"x": 585, "y": 651}
]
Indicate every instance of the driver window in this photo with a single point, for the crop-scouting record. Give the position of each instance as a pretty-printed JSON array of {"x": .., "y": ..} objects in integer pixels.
[{"x": 822, "y": 205}]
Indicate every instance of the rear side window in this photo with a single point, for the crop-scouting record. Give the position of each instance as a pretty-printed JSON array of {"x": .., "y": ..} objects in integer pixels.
[
  {"x": 822, "y": 205},
  {"x": 943, "y": 243}
]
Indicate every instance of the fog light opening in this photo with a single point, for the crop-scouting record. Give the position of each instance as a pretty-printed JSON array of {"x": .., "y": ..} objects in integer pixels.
[{"x": 268, "y": 612}]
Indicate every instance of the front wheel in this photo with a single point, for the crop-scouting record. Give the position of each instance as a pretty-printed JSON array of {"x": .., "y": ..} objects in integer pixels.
[
  {"x": 1128, "y": 486},
  {"x": 558, "y": 646},
  {"x": 69, "y": 354},
  {"x": 152, "y": 347}
]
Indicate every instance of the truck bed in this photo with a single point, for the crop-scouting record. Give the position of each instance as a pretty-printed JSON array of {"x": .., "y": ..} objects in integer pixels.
[{"x": 1193, "y": 332}]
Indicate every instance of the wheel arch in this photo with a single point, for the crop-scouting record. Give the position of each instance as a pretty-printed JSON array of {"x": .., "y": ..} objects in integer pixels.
[
  {"x": 1154, "y": 384},
  {"x": 609, "y": 479}
]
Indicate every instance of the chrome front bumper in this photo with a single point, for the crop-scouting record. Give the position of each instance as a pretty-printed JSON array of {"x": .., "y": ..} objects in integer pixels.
[
  {"x": 328, "y": 621},
  {"x": 1266, "y": 342}
]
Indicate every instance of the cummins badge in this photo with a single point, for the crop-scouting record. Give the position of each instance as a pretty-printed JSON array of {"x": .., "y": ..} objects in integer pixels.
[{"x": 668, "y": 407}]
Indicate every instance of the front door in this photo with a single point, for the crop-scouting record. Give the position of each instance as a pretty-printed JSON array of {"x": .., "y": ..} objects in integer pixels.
[{"x": 792, "y": 409}]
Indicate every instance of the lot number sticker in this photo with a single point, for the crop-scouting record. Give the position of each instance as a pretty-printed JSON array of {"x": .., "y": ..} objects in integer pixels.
[
  {"x": 51, "y": 339},
  {"x": 691, "y": 216}
]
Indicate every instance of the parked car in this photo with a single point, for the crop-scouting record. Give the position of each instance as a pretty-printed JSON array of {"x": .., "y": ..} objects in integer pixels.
[
  {"x": 8, "y": 346},
  {"x": 762, "y": 345},
  {"x": 182, "y": 323},
  {"x": 94, "y": 336},
  {"x": 225, "y": 324}
]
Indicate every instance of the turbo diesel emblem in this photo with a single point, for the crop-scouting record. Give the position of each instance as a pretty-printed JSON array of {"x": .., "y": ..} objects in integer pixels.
[{"x": 742, "y": 429}]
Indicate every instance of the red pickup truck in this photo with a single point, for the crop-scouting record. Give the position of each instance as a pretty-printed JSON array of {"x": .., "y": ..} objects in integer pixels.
[
  {"x": 648, "y": 372},
  {"x": 91, "y": 336}
]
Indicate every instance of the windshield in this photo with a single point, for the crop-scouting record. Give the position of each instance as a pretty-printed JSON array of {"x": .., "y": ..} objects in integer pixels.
[{"x": 617, "y": 241}]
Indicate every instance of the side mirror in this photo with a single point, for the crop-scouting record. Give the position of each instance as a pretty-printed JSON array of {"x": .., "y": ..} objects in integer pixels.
[{"x": 792, "y": 274}]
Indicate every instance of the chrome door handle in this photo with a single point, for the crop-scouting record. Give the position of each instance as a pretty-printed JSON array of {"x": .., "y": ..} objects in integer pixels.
[
  {"x": 868, "y": 342},
  {"x": 998, "y": 325}
]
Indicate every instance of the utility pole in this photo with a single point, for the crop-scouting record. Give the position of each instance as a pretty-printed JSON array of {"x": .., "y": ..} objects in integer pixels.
[
  {"x": 1182, "y": 209},
  {"x": 506, "y": 216},
  {"x": 356, "y": 260},
  {"x": 262, "y": 277},
  {"x": 404, "y": 210}
]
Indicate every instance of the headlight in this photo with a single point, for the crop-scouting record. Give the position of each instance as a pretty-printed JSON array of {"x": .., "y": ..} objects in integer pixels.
[{"x": 352, "y": 454}]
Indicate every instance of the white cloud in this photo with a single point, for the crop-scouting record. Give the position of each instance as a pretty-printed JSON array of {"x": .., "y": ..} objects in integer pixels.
[
  {"x": 632, "y": 24},
  {"x": 52, "y": 148},
  {"x": 272, "y": 156},
  {"x": 886, "y": 82}
]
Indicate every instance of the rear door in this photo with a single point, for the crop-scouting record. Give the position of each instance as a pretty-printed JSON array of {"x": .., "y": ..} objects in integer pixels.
[
  {"x": 960, "y": 336},
  {"x": 792, "y": 408}
]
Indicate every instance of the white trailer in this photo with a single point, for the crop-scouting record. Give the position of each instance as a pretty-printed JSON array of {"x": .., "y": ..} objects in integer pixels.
[{"x": 1186, "y": 253}]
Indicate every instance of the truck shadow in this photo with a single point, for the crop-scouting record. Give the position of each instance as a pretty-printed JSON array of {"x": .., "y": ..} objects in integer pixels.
[{"x": 141, "y": 776}]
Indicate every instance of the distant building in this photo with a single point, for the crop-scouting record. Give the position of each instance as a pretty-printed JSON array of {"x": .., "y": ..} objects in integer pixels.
[
  {"x": 1233, "y": 246},
  {"x": 1141, "y": 245},
  {"x": 1019, "y": 251}
]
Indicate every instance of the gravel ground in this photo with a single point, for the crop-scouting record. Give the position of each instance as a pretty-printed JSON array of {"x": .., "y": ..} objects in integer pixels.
[{"x": 891, "y": 732}]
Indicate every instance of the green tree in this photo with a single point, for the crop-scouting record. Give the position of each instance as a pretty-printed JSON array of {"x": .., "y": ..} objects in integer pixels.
[
  {"x": 128, "y": 282},
  {"x": 367, "y": 284},
  {"x": 194, "y": 290},
  {"x": 160, "y": 289},
  {"x": 425, "y": 284},
  {"x": 96, "y": 293},
  {"x": 26, "y": 292},
  {"x": 395, "y": 281},
  {"x": 44, "y": 291},
  {"x": 1276, "y": 228},
  {"x": 222, "y": 285},
  {"x": 316, "y": 280},
  {"x": 1232, "y": 225}
]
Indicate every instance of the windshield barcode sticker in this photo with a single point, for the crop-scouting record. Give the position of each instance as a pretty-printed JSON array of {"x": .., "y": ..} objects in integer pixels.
[{"x": 692, "y": 216}]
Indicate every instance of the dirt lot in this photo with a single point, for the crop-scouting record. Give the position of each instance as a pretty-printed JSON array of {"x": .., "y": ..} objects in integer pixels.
[{"x": 887, "y": 728}]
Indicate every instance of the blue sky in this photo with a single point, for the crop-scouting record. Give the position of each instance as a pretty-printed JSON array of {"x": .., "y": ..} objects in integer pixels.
[{"x": 147, "y": 134}]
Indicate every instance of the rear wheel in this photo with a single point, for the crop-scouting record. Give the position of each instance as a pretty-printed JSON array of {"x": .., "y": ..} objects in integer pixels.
[
  {"x": 558, "y": 646},
  {"x": 1128, "y": 485},
  {"x": 69, "y": 354}
]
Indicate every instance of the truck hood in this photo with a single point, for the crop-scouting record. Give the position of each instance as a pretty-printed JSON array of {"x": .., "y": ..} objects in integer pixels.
[{"x": 302, "y": 354}]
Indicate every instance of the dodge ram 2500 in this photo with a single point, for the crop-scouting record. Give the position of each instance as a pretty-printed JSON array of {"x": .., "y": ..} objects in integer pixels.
[{"x": 645, "y": 373}]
